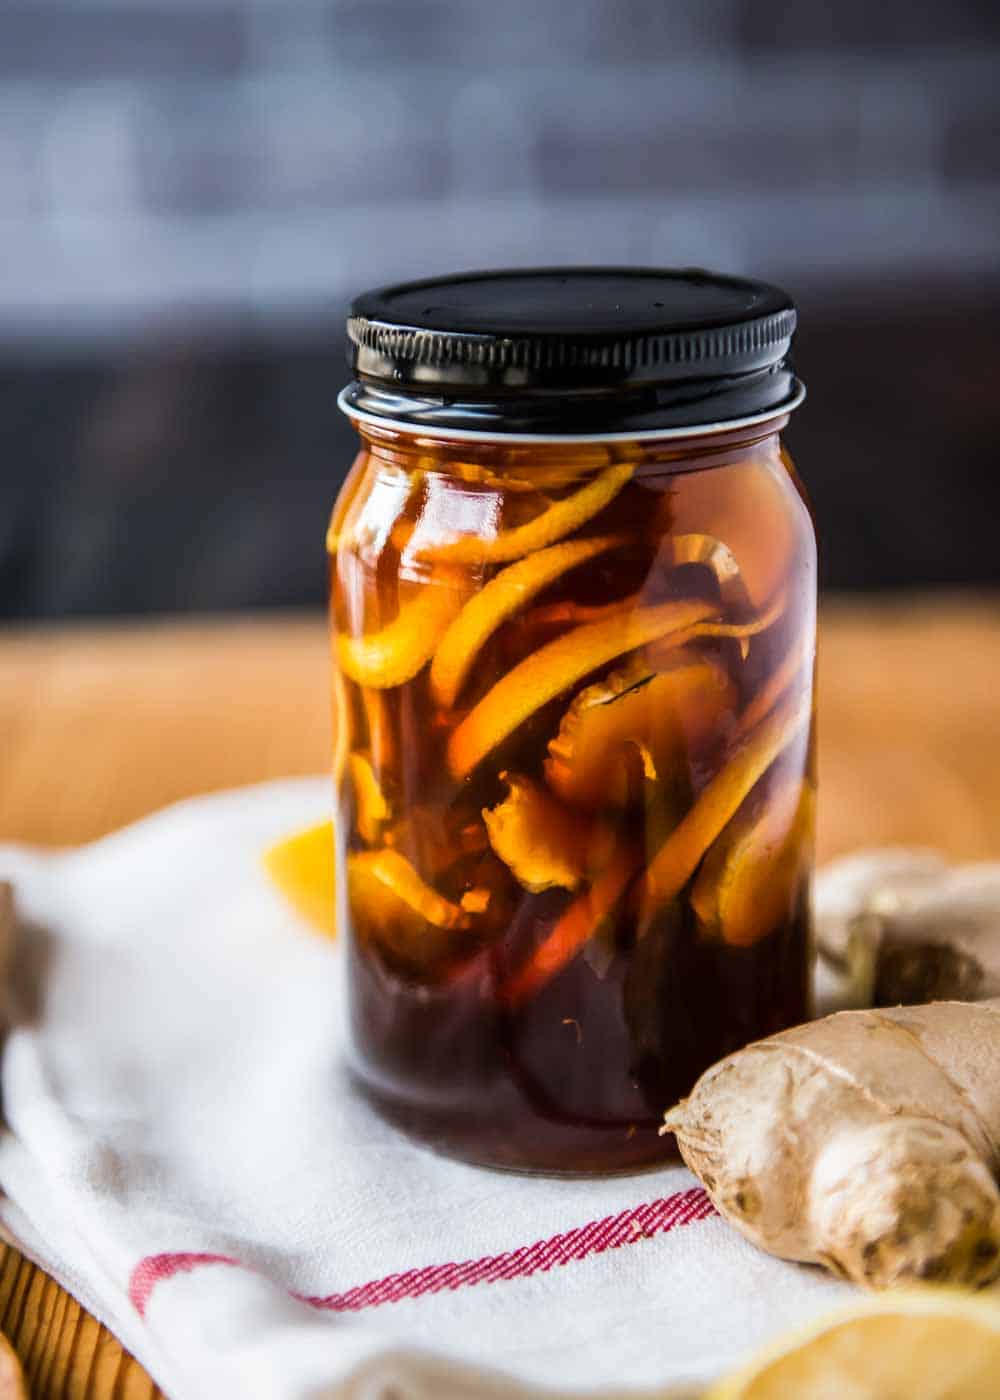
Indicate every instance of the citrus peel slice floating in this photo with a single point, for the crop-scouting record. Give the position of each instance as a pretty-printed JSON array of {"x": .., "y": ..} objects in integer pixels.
[
  {"x": 371, "y": 810},
  {"x": 562, "y": 613},
  {"x": 921, "y": 1344},
  {"x": 542, "y": 844},
  {"x": 737, "y": 631},
  {"x": 678, "y": 858},
  {"x": 340, "y": 718},
  {"x": 752, "y": 506},
  {"x": 793, "y": 662},
  {"x": 714, "y": 555},
  {"x": 557, "y": 666},
  {"x": 504, "y": 595},
  {"x": 665, "y": 715},
  {"x": 476, "y": 900},
  {"x": 527, "y": 476},
  {"x": 391, "y": 905},
  {"x": 386, "y": 872},
  {"x": 381, "y": 735},
  {"x": 748, "y": 880},
  {"x": 396, "y": 653},
  {"x": 578, "y": 923},
  {"x": 344, "y": 501},
  {"x": 302, "y": 868},
  {"x": 552, "y": 524}
]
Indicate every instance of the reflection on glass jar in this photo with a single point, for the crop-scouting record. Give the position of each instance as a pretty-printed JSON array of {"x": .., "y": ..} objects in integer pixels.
[{"x": 574, "y": 680}]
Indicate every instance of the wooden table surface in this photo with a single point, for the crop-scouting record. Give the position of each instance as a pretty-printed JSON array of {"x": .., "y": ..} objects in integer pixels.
[{"x": 101, "y": 724}]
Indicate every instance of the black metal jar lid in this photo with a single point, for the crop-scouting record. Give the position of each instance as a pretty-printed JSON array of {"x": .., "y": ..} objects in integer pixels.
[{"x": 571, "y": 352}]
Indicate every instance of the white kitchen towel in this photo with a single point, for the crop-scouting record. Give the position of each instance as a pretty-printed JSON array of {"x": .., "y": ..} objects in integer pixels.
[{"x": 184, "y": 1152}]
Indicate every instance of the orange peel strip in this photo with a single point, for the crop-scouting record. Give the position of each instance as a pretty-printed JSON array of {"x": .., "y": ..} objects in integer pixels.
[
  {"x": 752, "y": 506},
  {"x": 302, "y": 867},
  {"x": 677, "y": 859},
  {"x": 554, "y": 614},
  {"x": 374, "y": 874},
  {"x": 381, "y": 739},
  {"x": 775, "y": 686},
  {"x": 341, "y": 724},
  {"x": 553, "y": 524},
  {"x": 534, "y": 476},
  {"x": 344, "y": 501},
  {"x": 739, "y": 631},
  {"x": 575, "y": 926},
  {"x": 705, "y": 549},
  {"x": 504, "y": 595},
  {"x": 557, "y": 666},
  {"x": 714, "y": 555},
  {"x": 747, "y": 882},
  {"x": 661, "y": 713},
  {"x": 371, "y": 809},
  {"x": 476, "y": 900},
  {"x": 542, "y": 844},
  {"x": 402, "y": 648}
]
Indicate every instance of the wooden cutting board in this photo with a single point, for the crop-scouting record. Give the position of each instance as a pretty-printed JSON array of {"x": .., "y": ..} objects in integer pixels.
[{"x": 101, "y": 724}]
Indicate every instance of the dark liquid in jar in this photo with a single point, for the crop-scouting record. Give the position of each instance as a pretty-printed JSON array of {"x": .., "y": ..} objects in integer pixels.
[{"x": 576, "y": 780}]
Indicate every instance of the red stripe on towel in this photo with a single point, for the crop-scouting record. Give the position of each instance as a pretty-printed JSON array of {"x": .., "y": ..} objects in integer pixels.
[
  {"x": 627, "y": 1227},
  {"x": 155, "y": 1267}
]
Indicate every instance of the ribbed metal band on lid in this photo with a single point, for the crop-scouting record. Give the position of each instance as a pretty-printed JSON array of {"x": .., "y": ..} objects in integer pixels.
[{"x": 571, "y": 350}]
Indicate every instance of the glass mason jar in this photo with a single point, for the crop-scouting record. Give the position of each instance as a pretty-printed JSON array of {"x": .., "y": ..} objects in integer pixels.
[{"x": 573, "y": 588}]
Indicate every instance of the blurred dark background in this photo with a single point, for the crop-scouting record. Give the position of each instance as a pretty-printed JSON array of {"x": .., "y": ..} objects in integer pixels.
[{"x": 191, "y": 191}]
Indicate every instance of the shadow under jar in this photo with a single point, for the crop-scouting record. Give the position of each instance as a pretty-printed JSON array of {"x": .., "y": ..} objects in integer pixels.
[{"x": 573, "y": 588}]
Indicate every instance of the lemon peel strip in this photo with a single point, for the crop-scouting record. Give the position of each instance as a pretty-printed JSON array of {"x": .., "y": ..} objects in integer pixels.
[
  {"x": 557, "y": 666},
  {"x": 504, "y": 595},
  {"x": 552, "y": 524},
  {"x": 677, "y": 859},
  {"x": 395, "y": 654}
]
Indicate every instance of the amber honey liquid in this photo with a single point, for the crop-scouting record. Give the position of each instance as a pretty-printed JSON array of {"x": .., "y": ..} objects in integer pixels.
[{"x": 575, "y": 779}]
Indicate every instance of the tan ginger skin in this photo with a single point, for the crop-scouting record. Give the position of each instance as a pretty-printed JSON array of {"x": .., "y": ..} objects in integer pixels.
[{"x": 868, "y": 1142}]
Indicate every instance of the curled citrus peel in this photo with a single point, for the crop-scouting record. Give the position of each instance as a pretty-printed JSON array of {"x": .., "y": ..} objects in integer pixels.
[
  {"x": 678, "y": 858},
  {"x": 392, "y": 904},
  {"x": 399, "y": 650},
  {"x": 527, "y": 476},
  {"x": 752, "y": 506},
  {"x": 507, "y": 592},
  {"x": 372, "y": 508},
  {"x": 738, "y": 631},
  {"x": 719, "y": 558},
  {"x": 748, "y": 880},
  {"x": 566, "y": 611},
  {"x": 577, "y": 924},
  {"x": 341, "y": 724},
  {"x": 557, "y": 666},
  {"x": 543, "y": 845},
  {"x": 552, "y": 524},
  {"x": 371, "y": 810},
  {"x": 344, "y": 501},
  {"x": 714, "y": 555},
  {"x": 792, "y": 664},
  {"x": 394, "y": 873},
  {"x": 476, "y": 900},
  {"x": 381, "y": 736},
  {"x": 663, "y": 715}
]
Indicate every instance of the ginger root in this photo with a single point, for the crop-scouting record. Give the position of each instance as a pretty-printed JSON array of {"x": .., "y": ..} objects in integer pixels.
[
  {"x": 902, "y": 926},
  {"x": 868, "y": 1142}
]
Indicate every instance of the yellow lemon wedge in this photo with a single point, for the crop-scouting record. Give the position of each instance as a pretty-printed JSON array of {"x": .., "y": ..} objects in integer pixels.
[
  {"x": 301, "y": 866},
  {"x": 925, "y": 1344}
]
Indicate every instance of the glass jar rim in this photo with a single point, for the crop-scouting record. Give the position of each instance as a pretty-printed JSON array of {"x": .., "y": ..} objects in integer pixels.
[{"x": 413, "y": 428}]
